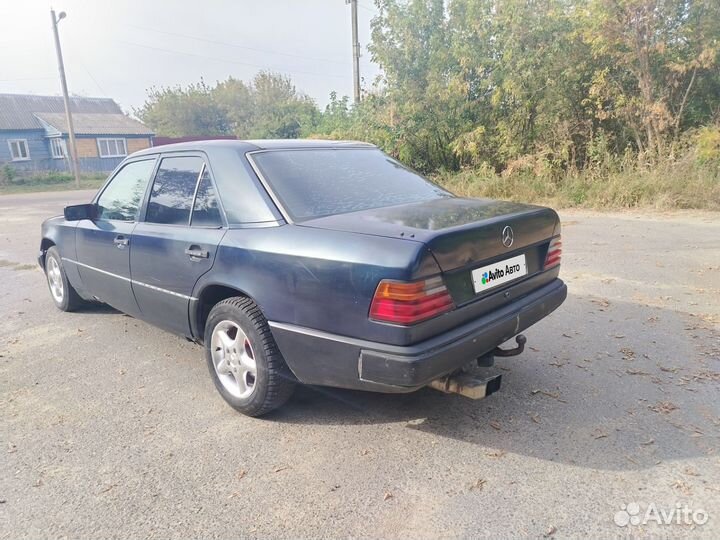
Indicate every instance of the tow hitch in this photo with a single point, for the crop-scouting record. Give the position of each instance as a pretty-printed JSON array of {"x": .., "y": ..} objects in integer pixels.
[
  {"x": 474, "y": 387},
  {"x": 467, "y": 385},
  {"x": 520, "y": 340}
]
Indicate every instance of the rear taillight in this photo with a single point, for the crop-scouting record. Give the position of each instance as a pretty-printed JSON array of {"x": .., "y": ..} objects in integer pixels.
[
  {"x": 410, "y": 303},
  {"x": 554, "y": 253}
]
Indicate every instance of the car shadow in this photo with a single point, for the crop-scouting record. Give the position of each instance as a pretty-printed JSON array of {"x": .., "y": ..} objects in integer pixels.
[
  {"x": 600, "y": 394},
  {"x": 98, "y": 308}
]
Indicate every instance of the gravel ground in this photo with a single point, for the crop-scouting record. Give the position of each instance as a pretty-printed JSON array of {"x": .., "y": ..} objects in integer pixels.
[{"x": 112, "y": 428}]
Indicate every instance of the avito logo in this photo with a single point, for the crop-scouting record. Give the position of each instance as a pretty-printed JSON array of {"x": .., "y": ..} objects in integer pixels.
[{"x": 487, "y": 277}]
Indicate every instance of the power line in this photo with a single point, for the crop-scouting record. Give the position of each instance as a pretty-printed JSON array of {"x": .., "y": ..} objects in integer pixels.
[
  {"x": 227, "y": 44},
  {"x": 259, "y": 66},
  {"x": 102, "y": 91}
]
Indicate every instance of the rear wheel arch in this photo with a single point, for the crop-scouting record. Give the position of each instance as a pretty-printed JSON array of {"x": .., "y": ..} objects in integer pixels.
[{"x": 209, "y": 296}]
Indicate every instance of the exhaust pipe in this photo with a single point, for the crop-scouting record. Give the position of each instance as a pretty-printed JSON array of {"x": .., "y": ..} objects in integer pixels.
[{"x": 467, "y": 385}]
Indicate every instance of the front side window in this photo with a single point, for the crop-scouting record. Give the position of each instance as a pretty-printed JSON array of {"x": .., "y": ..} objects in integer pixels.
[
  {"x": 322, "y": 182},
  {"x": 19, "y": 149},
  {"x": 172, "y": 192},
  {"x": 206, "y": 212},
  {"x": 58, "y": 148},
  {"x": 108, "y": 148},
  {"x": 123, "y": 196}
]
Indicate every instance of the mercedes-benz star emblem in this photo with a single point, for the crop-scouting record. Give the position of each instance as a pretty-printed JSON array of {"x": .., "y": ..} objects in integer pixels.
[{"x": 507, "y": 236}]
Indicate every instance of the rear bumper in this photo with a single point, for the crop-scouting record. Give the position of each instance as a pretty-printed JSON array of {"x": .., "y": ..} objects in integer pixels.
[{"x": 321, "y": 358}]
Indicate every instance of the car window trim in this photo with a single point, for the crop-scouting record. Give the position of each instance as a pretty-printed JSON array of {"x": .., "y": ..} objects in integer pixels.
[
  {"x": 217, "y": 198},
  {"x": 111, "y": 177},
  {"x": 142, "y": 217},
  {"x": 266, "y": 185},
  {"x": 197, "y": 179}
]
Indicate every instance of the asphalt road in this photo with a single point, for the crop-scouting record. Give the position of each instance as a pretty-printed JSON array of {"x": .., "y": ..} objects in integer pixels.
[{"x": 112, "y": 428}]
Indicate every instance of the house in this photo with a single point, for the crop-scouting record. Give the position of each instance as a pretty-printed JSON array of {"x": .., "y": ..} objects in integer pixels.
[{"x": 34, "y": 133}]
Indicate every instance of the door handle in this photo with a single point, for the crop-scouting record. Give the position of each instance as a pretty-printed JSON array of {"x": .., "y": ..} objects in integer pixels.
[
  {"x": 120, "y": 241},
  {"x": 196, "y": 252}
]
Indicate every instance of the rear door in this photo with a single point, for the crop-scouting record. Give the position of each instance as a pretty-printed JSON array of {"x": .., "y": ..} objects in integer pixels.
[
  {"x": 103, "y": 244},
  {"x": 176, "y": 240}
]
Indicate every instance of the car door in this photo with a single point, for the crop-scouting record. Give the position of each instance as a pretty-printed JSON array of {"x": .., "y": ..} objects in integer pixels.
[
  {"x": 176, "y": 240},
  {"x": 103, "y": 244}
]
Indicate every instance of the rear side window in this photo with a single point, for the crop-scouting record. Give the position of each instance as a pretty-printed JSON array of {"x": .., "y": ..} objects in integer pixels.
[
  {"x": 206, "y": 212},
  {"x": 122, "y": 197},
  {"x": 314, "y": 183},
  {"x": 172, "y": 192}
]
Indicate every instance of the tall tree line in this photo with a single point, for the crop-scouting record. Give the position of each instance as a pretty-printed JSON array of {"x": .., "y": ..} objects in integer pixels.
[{"x": 498, "y": 84}]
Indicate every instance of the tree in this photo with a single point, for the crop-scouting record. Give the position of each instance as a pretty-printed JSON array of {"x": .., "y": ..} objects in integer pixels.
[
  {"x": 651, "y": 55},
  {"x": 175, "y": 112},
  {"x": 268, "y": 107}
]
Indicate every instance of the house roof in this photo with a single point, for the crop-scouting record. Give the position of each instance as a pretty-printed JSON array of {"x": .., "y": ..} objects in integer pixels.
[
  {"x": 95, "y": 124},
  {"x": 17, "y": 111}
]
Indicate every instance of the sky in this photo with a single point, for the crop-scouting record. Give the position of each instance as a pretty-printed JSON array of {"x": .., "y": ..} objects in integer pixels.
[{"x": 120, "y": 48}]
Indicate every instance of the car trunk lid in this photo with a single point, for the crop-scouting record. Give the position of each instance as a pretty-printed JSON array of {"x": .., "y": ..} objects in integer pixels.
[
  {"x": 463, "y": 235},
  {"x": 459, "y": 232}
]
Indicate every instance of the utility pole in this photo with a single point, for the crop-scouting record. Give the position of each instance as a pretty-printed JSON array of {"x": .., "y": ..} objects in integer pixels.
[
  {"x": 356, "y": 49},
  {"x": 66, "y": 98}
]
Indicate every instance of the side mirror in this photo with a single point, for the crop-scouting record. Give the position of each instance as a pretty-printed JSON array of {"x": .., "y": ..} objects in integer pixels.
[{"x": 77, "y": 212}]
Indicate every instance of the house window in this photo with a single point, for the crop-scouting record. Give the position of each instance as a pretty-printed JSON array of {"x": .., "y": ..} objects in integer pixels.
[
  {"x": 19, "y": 149},
  {"x": 112, "y": 148},
  {"x": 58, "y": 148}
]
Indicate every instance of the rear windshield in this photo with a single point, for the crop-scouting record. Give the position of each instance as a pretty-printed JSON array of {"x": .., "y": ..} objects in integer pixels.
[{"x": 322, "y": 182}]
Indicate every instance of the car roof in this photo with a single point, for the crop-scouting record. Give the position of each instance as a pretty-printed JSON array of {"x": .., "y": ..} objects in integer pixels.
[{"x": 251, "y": 145}]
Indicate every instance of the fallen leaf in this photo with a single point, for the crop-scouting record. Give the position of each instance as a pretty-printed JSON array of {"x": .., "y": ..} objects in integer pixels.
[
  {"x": 535, "y": 418},
  {"x": 495, "y": 425},
  {"x": 648, "y": 442},
  {"x": 599, "y": 434},
  {"x": 554, "y": 395},
  {"x": 664, "y": 407},
  {"x": 282, "y": 468},
  {"x": 682, "y": 487},
  {"x": 387, "y": 496},
  {"x": 241, "y": 474},
  {"x": 479, "y": 485}
]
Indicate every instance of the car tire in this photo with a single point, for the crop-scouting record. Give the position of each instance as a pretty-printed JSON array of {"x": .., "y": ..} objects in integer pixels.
[
  {"x": 244, "y": 361},
  {"x": 62, "y": 292}
]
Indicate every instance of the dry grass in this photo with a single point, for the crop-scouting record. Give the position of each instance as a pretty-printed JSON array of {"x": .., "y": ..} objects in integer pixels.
[{"x": 670, "y": 185}]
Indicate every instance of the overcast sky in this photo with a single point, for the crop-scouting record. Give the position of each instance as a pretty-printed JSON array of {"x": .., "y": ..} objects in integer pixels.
[{"x": 120, "y": 48}]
